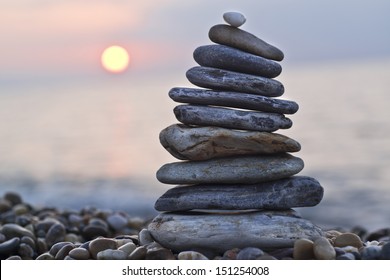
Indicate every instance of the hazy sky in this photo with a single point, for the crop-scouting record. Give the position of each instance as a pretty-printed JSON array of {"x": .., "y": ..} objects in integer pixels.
[{"x": 45, "y": 39}]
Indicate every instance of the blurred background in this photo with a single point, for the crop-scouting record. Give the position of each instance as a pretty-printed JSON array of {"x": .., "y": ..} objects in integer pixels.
[{"x": 73, "y": 133}]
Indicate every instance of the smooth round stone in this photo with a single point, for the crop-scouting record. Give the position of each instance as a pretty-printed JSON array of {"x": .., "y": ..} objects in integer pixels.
[
  {"x": 220, "y": 79},
  {"x": 14, "y": 230},
  {"x": 44, "y": 257},
  {"x": 231, "y": 118},
  {"x": 281, "y": 194},
  {"x": 346, "y": 256},
  {"x": 79, "y": 254},
  {"x": 303, "y": 249},
  {"x": 238, "y": 100},
  {"x": 138, "y": 254},
  {"x": 9, "y": 246},
  {"x": 110, "y": 254},
  {"x": 5, "y": 205},
  {"x": 64, "y": 251},
  {"x": 29, "y": 241},
  {"x": 93, "y": 231},
  {"x": 220, "y": 232},
  {"x": 231, "y": 254},
  {"x": 385, "y": 252},
  {"x": 348, "y": 239},
  {"x": 128, "y": 248},
  {"x": 25, "y": 251},
  {"x": 159, "y": 254},
  {"x": 191, "y": 255},
  {"x": 117, "y": 221},
  {"x": 238, "y": 170},
  {"x": 57, "y": 247},
  {"x": 235, "y": 19},
  {"x": 323, "y": 250},
  {"x": 202, "y": 143},
  {"x": 13, "y": 197},
  {"x": 227, "y": 58},
  {"x": 371, "y": 253},
  {"x": 249, "y": 253},
  {"x": 101, "y": 244},
  {"x": 14, "y": 258},
  {"x": 55, "y": 234},
  {"x": 236, "y": 38},
  {"x": 145, "y": 237}
]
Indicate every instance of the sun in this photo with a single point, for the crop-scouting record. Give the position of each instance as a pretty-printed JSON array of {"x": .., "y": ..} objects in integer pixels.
[{"x": 115, "y": 59}]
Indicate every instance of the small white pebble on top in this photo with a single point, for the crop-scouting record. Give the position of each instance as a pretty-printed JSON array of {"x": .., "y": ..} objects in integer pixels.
[{"x": 235, "y": 19}]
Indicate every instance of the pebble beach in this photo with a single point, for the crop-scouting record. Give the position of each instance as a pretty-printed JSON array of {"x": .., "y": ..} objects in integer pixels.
[{"x": 35, "y": 233}]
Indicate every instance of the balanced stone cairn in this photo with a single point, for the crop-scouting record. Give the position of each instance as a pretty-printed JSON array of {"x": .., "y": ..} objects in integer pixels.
[{"x": 236, "y": 183}]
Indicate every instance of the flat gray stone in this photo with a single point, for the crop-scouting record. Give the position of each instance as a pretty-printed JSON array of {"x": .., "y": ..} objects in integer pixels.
[
  {"x": 231, "y": 118},
  {"x": 232, "y": 170},
  {"x": 237, "y": 38},
  {"x": 207, "y": 142},
  {"x": 238, "y": 100},
  {"x": 213, "y": 78},
  {"x": 281, "y": 194},
  {"x": 224, "y": 57},
  {"x": 266, "y": 230}
]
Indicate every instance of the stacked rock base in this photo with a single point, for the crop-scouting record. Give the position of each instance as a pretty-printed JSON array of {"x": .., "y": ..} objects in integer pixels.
[{"x": 237, "y": 181}]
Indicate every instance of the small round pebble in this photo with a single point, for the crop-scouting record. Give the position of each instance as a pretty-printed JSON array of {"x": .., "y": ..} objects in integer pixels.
[
  {"x": 231, "y": 254},
  {"x": 323, "y": 250},
  {"x": 385, "y": 252},
  {"x": 235, "y": 19},
  {"x": 249, "y": 253},
  {"x": 57, "y": 247},
  {"x": 371, "y": 253},
  {"x": 14, "y": 230},
  {"x": 13, "y": 197},
  {"x": 101, "y": 244},
  {"x": 191, "y": 255},
  {"x": 128, "y": 248},
  {"x": 55, "y": 234},
  {"x": 348, "y": 239},
  {"x": 110, "y": 254},
  {"x": 9, "y": 246},
  {"x": 64, "y": 251},
  {"x": 117, "y": 221},
  {"x": 138, "y": 254},
  {"x": 145, "y": 237},
  {"x": 303, "y": 249},
  {"x": 25, "y": 252},
  {"x": 346, "y": 256},
  {"x": 79, "y": 254},
  {"x": 159, "y": 254}
]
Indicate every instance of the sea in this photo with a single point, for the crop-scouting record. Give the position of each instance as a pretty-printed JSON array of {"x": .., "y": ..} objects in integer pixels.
[{"x": 95, "y": 142}]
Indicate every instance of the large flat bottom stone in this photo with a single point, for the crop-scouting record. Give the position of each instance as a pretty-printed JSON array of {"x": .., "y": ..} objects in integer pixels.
[{"x": 218, "y": 232}]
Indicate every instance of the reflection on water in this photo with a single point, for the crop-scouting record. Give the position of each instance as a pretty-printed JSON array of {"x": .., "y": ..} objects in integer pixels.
[{"x": 98, "y": 143}]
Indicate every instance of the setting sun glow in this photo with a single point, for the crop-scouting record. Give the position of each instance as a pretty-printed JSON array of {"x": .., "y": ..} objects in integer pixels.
[{"x": 115, "y": 59}]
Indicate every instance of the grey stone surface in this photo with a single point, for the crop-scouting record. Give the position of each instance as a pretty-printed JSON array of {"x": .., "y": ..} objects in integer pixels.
[
  {"x": 223, "y": 231},
  {"x": 228, "y": 58},
  {"x": 231, "y": 118},
  {"x": 214, "y": 78},
  {"x": 233, "y": 99},
  {"x": 235, "y": 19},
  {"x": 207, "y": 142},
  {"x": 237, "y": 38},
  {"x": 232, "y": 170},
  {"x": 281, "y": 194}
]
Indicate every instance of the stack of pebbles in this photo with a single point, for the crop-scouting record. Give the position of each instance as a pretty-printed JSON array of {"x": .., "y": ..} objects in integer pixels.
[{"x": 236, "y": 184}]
